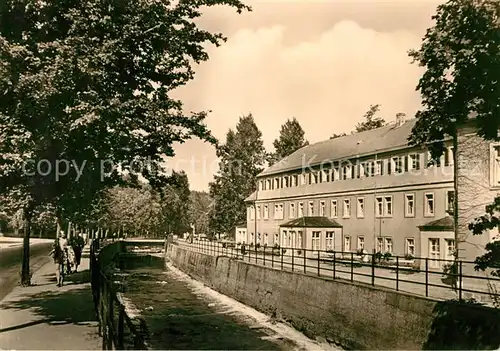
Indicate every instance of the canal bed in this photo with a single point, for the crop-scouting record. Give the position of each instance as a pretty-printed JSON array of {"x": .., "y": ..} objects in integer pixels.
[{"x": 183, "y": 314}]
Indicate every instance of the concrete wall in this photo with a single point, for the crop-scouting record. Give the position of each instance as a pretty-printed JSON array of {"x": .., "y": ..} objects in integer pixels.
[{"x": 355, "y": 316}]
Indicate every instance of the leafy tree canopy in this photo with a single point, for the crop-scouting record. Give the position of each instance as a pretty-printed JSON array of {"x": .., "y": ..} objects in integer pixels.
[
  {"x": 461, "y": 55},
  {"x": 291, "y": 139},
  {"x": 242, "y": 158},
  {"x": 370, "y": 120},
  {"x": 85, "y": 87}
]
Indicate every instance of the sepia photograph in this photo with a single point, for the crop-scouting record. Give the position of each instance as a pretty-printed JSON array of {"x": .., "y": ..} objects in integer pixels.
[{"x": 250, "y": 175}]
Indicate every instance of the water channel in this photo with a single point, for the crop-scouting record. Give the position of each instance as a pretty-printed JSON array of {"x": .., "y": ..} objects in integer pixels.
[{"x": 182, "y": 314}]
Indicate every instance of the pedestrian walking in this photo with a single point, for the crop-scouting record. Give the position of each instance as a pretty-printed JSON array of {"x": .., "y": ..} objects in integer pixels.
[
  {"x": 77, "y": 244},
  {"x": 59, "y": 255}
]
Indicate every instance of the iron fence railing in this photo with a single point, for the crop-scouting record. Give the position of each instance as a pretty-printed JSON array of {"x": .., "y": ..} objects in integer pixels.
[
  {"x": 117, "y": 329},
  {"x": 430, "y": 277}
]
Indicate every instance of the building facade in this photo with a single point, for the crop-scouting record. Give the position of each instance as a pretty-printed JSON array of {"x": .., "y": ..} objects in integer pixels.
[{"x": 381, "y": 192}]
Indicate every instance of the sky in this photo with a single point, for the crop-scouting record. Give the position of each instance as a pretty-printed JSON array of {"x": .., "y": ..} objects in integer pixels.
[{"x": 322, "y": 61}]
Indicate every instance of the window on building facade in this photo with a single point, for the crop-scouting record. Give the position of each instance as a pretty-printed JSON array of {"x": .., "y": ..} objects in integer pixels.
[
  {"x": 429, "y": 205},
  {"x": 258, "y": 211},
  {"x": 347, "y": 172},
  {"x": 316, "y": 240},
  {"x": 397, "y": 164},
  {"x": 302, "y": 178},
  {"x": 361, "y": 243},
  {"x": 414, "y": 162},
  {"x": 298, "y": 239},
  {"x": 259, "y": 238},
  {"x": 301, "y": 209},
  {"x": 362, "y": 170},
  {"x": 378, "y": 167},
  {"x": 278, "y": 211},
  {"x": 410, "y": 246},
  {"x": 360, "y": 211},
  {"x": 311, "y": 208},
  {"x": 388, "y": 245},
  {"x": 295, "y": 179},
  {"x": 450, "y": 201},
  {"x": 388, "y": 206},
  {"x": 266, "y": 212},
  {"x": 379, "y": 206},
  {"x": 380, "y": 244},
  {"x": 347, "y": 243},
  {"x": 333, "y": 209},
  {"x": 322, "y": 208},
  {"x": 268, "y": 184},
  {"x": 276, "y": 238},
  {"x": 292, "y": 210},
  {"x": 335, "y": 175},
  {"x": 346, "y": 208},
  {"x": 329, "y": 241},
  {"x": 284, "y": 238},
  {"x": 261, "y": 185},
  {"x": 285, "y": 182},
  {"x": 266, "y": 239},
  {"x": 276, "y": 183},
  {"x": 409, "y": 205},
  {"x": 450, "y": 249}
]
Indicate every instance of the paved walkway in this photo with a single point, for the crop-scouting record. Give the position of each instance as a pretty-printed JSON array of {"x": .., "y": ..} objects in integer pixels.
[{"x": 46, "y": 317}]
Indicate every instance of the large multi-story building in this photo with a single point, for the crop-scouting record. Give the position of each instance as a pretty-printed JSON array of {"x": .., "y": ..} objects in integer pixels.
[{"x": 369, "y": 190}]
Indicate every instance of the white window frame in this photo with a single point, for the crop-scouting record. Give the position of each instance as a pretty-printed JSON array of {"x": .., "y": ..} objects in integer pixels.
[
  {"x": 266, "y": 211},
  {"x": 395, "y": 160},
  {"x": 388, "y": 213},
  {"x": 407, "y": 202},
  {"x": 284, "y": 182},
  {"x": 322, "y": 208},
  {"x": 347, "y": 244},
  {"x": 360, "y": 245},
  {"x": 303, "y": 178},
  {"x": 330, "y": 241},
  {"x": 447, "y": 204},
  {"x": 388, "y": 244},
  {"x": 449, "y": 254},
  {"x": 316, "y": 241},
  {"x": 426, "y": 205},
  {"x": 278, "y": 211},
  {"x": 413, "y": 160},
  {"x": 258, "y": 212},
  {"x": 380, "y": 244},
  {"x": 291, "y": 209},
  {"x": 378, "y": 167},
  {"x": 360, "y": 207},
  {"x": 379, "y": 206},
  {"x": 310, "y": 208},
  {"x": 410, "y": 243},
  {"x": 346, "y": 208},
  {"x": 269, "y": 184},
  {"x": 300, "y": 210},
  {"x": 335, "y": 175},
  {"x": 334, "y": 210}
]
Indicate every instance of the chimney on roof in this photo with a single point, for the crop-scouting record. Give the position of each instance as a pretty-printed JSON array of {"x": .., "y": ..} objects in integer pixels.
[{"x": 400, "y": 119}]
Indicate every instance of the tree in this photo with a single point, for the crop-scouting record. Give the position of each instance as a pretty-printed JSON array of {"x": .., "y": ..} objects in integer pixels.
[
  {"x": 461, "y": 56},
  {"x": 242, "y": 158},
  {"x": 199, "y": 208},
  {"x": 85, "y": 87},
  {"x": 291, "y": 139},
  {"x": 370, "y": 122},
  {"x": 334, "y": 136}
]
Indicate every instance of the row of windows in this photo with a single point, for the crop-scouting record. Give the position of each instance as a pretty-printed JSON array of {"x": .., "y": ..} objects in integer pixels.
[
  {"x": 383, "y": 207},
  {"x": 384, "y": 244},
  {"x": 347, "y": 170}
]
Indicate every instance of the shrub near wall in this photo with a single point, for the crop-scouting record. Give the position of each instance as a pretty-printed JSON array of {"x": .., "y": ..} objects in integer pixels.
[{"x": 353, "y": 315}]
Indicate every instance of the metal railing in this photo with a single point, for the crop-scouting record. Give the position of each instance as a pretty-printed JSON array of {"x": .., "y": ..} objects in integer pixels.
[
  {"x": 418, "y": 275},
  {"x": 117, "y": 329}
]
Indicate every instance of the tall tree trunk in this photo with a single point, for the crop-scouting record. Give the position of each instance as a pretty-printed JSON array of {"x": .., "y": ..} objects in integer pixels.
[
  {"x": 455, "y": 195},
  {"x": 69, "y": 229},
  {"x": 25, "y": 271}
]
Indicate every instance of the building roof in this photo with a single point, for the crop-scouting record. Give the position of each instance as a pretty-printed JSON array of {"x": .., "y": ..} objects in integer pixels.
[
  {"x": 312, "y": 222},
  {"x": 382, "y": 139},
  {"x": 444, "y": 224}
]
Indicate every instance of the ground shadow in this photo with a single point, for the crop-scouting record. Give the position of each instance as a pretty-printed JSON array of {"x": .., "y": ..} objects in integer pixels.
[
  {"x": 464, "y": 326},
  {"x": 82, "y": 277},
  {"x": 72, "y": 306}
]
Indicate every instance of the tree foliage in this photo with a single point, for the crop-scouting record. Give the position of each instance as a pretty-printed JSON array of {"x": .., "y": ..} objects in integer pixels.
[
  {"x": 200, "y": 204},
  {"x": 461, "y": 56},
  {"x": 291, "y": 139},
  {"x": 242, "y": 158},
  {"x": 87, "y": 82},
  {"x": 335, "y": 135},
  {"x": 371, "y": 121}
]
